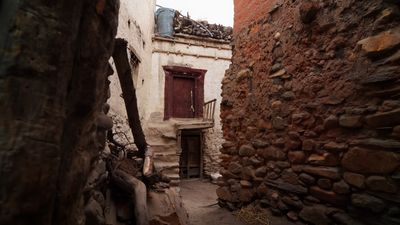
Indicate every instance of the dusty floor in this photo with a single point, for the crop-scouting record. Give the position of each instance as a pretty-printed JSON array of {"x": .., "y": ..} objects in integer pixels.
[{"x": 199, "y": 199}]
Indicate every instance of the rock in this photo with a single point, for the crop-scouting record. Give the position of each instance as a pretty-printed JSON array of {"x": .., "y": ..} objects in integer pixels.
[
  {"x": 341, "y": 187},
  {"x": 276, "y": 67},
  {"x": 247, "y": 150},
  {"x": 278, "y": 123},
  {"x": 328, "y": 196},
  {"x": 381, "y": 43},
  {"x": 308, "y": 11},
  {"x": 94, "y": 212},
  {"x": 354, "y": 179},
  {"x": 282, "y": 164},
  {"x": 292, "y": 216},
  {"x": 262, "y": 189},
  {"x": 307, "y": 179},
  {"x": 368, "y": 202},
  {"x": 316, "y": 214},
  {"x": 246, "y": 195},
  {"x": 370, "y": 161},
  {"x": 297, "y": 189},
  {"x": 350, "y": 121},
  {"x": 393, "y": 58},
  {"x": 326, "y": 159},
  {"x": 324, "y": 183},
  {"x": 381, "y": 184},
  {"x": 277, "y": 74},
  {"x": 261, "y": 172},
  {"x": 290, "y": 177},
  {"x": 235, "y": 168},
  {"x": 328, "y": 172},
  {"x": 288, "y": 95},
  {"x": 331, "y": 122},
  {"x": 387, "y": 15},
  {"x": 224, "y": 194},
  {"x": 246, "y": 184},
  {"x": 308, "y": 145},
  {"x": 259, "y": 143},
  {"x": 104, "y": 122},
  {"x": 336, "y": 147},
  {"x": 296, "y": 157},
  {"x": 243, "y": 74},
  {"x": 382, "y": 75},
  {"x": 385, "y": 119},
  {"x": 272, "y": 153},
  {"x": 389, "y": 144},
  {"x": 228, "y": 144},
  {"x": 291, "y": 202},
  {"x": 344, "y": 219}
]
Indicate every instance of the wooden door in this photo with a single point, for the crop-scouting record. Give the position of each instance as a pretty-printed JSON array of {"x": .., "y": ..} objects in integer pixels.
[
  {"x": 190, "y": 160},
  {"x": 183, "y": 97}
]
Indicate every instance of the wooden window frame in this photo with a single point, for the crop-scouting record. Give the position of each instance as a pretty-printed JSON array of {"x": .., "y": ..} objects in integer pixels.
[{"x": 196, "y": 74}]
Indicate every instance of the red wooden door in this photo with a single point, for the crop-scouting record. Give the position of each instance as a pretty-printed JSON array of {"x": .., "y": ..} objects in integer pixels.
[{"x": 183, "y": 97}]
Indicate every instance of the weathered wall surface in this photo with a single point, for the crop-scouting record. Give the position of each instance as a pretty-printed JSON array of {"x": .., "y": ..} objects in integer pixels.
[
  {"x": 136, "y": 25},
  {"x": 310, "y": 111},
  {"x": 53, "y": 70},
  {"x": 220, "y": 54}
]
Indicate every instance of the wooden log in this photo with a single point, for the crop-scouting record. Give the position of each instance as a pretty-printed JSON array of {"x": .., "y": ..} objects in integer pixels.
[
  {"x": 124, "y": 71},
  {"x": 138, "y": 191}
]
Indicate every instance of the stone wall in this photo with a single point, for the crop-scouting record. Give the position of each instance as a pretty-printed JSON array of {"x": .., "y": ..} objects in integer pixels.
[{"x": 310, "y": 112}]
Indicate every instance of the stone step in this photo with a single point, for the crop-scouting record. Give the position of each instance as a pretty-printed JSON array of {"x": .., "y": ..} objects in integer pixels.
[
  {"x": 161, "y": 157},
  {"x": 162, "y": 166}
]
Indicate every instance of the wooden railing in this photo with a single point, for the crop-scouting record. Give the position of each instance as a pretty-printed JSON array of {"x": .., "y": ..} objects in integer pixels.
[{"x": 209, "y": 110}]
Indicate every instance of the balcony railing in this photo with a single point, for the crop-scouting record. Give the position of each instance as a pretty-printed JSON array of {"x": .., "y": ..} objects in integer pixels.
[{"x": 209, "y": 110}]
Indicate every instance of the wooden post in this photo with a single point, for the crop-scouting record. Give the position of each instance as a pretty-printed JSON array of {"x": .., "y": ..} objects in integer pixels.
[{"x": 124, "y": 71}]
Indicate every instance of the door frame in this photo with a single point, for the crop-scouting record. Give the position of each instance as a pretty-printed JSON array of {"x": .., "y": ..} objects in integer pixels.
[{"x": 179, "y": 71}]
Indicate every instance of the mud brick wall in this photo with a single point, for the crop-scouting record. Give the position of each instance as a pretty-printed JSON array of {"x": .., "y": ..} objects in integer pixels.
[{"x": 311, "y": 111}]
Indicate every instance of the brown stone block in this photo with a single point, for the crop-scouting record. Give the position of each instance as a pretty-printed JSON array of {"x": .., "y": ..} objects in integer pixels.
[
  {"x": 354, "y": 179},
  {"x": 381, "y": 43},
  {"x": 328, "y": 196},
  {"x": 367, "y": 161},
  {"x": 386, "y": 119},
  {"x": 328, "y": 172}
]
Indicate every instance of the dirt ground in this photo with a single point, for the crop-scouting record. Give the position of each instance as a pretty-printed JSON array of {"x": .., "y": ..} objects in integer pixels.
[{"x": 199, "y": 199}]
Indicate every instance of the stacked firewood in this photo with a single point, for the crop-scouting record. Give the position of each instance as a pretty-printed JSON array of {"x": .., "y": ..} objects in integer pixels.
[{"x": 186, "y": 25}]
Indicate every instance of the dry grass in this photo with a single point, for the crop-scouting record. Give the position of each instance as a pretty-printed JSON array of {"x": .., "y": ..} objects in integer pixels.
[{"x": 253, "y": 216}]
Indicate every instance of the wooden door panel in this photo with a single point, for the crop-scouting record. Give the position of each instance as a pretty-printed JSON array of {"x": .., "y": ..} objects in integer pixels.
[{"x": 183, "y": 97}]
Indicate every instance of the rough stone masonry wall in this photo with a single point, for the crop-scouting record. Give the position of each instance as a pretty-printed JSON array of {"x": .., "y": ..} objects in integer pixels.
[{"x": 311, "y": 112}]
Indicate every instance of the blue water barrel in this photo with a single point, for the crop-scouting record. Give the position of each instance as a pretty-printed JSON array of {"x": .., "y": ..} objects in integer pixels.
[{"x": 165, "y": 22}]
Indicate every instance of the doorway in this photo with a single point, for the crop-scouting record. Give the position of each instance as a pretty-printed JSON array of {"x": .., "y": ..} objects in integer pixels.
[
  {"x": 191, "y": 159},
  {"x": 183, "y": 101},
  {"x": 184, "y": 92}
]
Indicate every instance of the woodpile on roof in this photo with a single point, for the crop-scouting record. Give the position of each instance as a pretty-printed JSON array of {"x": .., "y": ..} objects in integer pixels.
[{"x": 186, "y": 25}]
